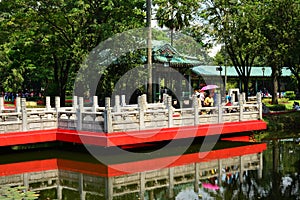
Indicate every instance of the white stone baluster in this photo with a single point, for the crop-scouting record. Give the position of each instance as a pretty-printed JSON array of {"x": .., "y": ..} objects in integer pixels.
[
  {"x": 57, "y": 103},
  {"x": 141, "y": 108},
  {"x": 170, "y": 112},
  {"x": 75, "y": 103},
  {"x": 259, "y": 104},
  {"x": 18, "y": 104},
  {"x": 24, "y": 114},
  {"x": 107, "y": 116},
  {"x": 1, "y": 104},
  {"x": 48, "y": 103},
  {"x": 241, "y": 107},
  {"x": 196, "y": 110},
  {"x": 95, "y": 103},
  {"x": 220, "y": 109},
  {"x": 79, "y": 113}
]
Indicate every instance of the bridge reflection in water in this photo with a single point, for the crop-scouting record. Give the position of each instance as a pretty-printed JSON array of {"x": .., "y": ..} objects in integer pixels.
[{"x": 78, "y": 175}]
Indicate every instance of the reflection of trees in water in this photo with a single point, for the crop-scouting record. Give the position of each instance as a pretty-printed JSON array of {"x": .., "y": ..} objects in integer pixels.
[
  {"x": 281, "y": 175},
  {"x": 282, "y": 170}
]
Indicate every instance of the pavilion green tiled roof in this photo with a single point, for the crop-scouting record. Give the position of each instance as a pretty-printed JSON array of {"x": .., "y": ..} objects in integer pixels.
[
  {"x": 230, "y": 71},
  {"x": 162, "y": 49}
]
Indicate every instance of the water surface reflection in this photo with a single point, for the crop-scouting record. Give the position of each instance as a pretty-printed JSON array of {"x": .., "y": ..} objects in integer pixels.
[{"x": 232, "y": 170}]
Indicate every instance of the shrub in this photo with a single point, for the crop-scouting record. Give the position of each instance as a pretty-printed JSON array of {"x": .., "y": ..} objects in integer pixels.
[
  {"x": 290, "y": 95},
  {"x": 277, "y": 107},
  {"x": 283, "y": 100}
]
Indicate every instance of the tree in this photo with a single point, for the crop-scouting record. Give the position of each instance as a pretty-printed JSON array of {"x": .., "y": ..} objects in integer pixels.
[
  {"x": 64, "y": 32},
  {"x": 281, "y": 32},
  {"x": 175, "y": 14},
  {"x": 234, "y": 24}
]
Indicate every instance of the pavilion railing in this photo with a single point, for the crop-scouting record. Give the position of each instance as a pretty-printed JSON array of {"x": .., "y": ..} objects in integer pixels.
[{"x": 123, "y": 117}]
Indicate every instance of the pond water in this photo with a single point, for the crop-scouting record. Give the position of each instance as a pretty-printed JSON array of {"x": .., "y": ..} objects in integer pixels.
[{"x": 70, "y": 172}]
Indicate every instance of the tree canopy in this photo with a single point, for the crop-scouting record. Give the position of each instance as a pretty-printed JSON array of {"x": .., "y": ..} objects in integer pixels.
[
  {"x": 48, "y": 40},
  {"x": 256, "y": 33}
]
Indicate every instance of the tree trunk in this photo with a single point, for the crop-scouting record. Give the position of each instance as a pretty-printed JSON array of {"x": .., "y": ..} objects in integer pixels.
[
  {"x": 275, "y": 75},
  {"x": 149, "y": 52},
  {"x": 62, "y": 97},
  {"x": 246, "y": 88},
  {"x": 298, "y": 88}
]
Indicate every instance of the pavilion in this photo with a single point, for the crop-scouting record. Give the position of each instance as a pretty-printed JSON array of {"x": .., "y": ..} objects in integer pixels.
[{"x": 260, "y": 77}]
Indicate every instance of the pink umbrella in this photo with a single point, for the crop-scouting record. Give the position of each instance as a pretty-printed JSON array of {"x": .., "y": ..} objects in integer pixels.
[
  {"x": 209, "y": 87},
  {"x": 210, "y": 186}
]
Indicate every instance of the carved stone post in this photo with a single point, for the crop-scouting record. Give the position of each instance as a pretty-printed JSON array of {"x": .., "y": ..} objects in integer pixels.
[
  {"x": 117, "y": 107},
  {"x": 48, "y": 104},
  {"x": 196, "y": 183},
  {"x": 142, "y": 185},
  {"x": 57, "y": 103},
  {"x": 26, "y": 180},
  {"x": 109, "y": 188},
  {"x": 171, "y": 182},
  {"x": 241, "y": 106},
  {"x": 24, "y": 114},
  {"x": 196, "y": 110},
  {"x": 143, "y": 103},
  {"x": 59, "y": 189},
  {"x": 259, "y": 104},
  {"x": 260, "y": 167},
  {"x": 144, "y": 99},
  {"x": 18, "y": 104},
  {"x": 220, "y": 166},
  {"x": 79, "y": 113},
  {"x": 165, "y": 99},
  {"x": 170, "y": 112},
  {"x": 1, "y": 104},
  {"x": 123, "y": 100},
  {"x": 107, "y": 116},
  {"x": 232, "y": 100},
  {"x": 75, "y": 103},
  {"x": 81, "y": 186},
  {"x": 241, "y": 168},
  {"x": 95, "y": 103},
  {"x": 141, "y": 108},
  {"x": 220, "y": 109},
  {"x": 244, "y": 97}
]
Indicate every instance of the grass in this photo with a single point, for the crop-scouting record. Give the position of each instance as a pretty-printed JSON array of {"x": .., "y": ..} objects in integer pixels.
[{"x": 283, "y": 101}]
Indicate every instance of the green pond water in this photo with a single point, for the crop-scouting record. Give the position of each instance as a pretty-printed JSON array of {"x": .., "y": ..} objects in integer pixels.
[{"x": 80, "y": 175}]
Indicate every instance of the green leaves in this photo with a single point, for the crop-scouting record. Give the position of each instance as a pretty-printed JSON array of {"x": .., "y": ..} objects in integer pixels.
[
  {"x": 48, "y": 40},
  {"x": 20, "y": 192},
  {"x": 175, "y": 14}
]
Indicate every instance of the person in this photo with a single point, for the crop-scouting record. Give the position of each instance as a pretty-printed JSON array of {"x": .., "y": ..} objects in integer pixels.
[
  {"x": 209, "y": 100},
  {"x": 202, "y": 97},
  {"x": 227, "y": 98},
  {"x": 196, "y": 93},
  {"x": 296, "y": 105}
]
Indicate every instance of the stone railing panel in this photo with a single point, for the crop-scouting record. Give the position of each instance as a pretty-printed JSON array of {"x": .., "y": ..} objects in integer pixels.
[
  {"x": 122, "y": 117},
  {"x": 93, "y": 122}
]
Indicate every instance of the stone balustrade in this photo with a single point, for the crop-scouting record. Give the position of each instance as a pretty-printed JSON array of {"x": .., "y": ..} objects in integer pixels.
[
  {"x": 122, "y": 117},
  {"x": 140, "y": 182}
]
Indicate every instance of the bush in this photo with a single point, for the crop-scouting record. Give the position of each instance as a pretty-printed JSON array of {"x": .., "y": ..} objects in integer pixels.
[
  {"x": 277, "y": 107},
  {"x": 290, "y": 95},
  {"x": 283, "y": 100}
]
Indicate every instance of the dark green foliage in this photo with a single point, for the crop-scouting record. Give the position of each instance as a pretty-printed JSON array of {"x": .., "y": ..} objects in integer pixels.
[
  {"x": 290, "y": 95},
  {"x": 277, "y": 107},
  {"x": 45, "y": 42}
]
